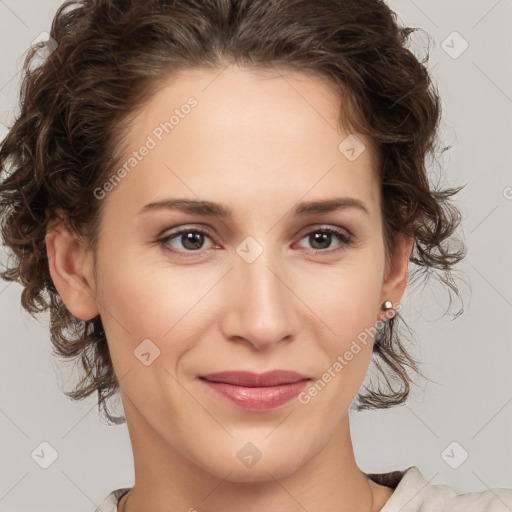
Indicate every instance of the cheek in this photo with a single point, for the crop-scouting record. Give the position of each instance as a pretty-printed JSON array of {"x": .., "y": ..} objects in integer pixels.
[
  {"x": 350, "y": 298},
  {"x": 346, "y": 351},
  {"x": 141, "y": 310},
  {"x": 140, "y": 300},
  {"x": 350, "y": 310}
]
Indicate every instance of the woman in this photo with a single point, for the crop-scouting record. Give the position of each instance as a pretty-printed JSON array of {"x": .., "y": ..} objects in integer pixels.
[{"x": 221, "y": 200}]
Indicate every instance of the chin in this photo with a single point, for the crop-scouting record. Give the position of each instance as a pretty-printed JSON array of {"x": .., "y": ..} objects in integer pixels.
[
  {"x": 250, "y": 464},
  {"x": 261, "y": 472}
]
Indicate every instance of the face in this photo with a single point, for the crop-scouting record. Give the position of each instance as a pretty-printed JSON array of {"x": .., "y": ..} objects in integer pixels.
[{"x": 184, "y": 293}]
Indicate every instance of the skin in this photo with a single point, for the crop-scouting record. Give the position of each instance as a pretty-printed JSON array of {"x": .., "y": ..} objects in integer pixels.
[{"x": 257, "y": 143}]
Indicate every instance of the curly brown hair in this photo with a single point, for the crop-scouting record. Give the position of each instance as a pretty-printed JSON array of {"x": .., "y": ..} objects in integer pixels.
[{"x": 111, "y": 56}]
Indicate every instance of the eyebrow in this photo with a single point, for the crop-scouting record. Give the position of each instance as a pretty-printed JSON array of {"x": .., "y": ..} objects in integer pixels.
[{"x": 209, "y": 208}]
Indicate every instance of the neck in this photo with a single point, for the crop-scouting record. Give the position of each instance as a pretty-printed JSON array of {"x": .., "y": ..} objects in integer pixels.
[{"x": 166, "y": 480}]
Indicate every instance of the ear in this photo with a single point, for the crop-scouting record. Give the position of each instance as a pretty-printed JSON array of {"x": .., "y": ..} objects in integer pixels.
[
  {"x": 395, "y": 279},
  {"x": 70, "y": 263}
]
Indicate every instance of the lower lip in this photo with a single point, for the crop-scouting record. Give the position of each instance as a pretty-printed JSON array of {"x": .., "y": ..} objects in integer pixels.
[{"x": 257, "y": 399}]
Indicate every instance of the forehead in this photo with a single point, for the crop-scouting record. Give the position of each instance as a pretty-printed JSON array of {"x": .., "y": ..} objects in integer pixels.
[{"x": 248, "y": 137}]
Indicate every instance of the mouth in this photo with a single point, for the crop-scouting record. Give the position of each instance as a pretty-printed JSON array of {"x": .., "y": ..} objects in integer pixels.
[{"x": 256, "y": 392}]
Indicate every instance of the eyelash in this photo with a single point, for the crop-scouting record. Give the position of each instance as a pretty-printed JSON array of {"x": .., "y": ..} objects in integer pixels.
[{"x": 346, "y": 239}]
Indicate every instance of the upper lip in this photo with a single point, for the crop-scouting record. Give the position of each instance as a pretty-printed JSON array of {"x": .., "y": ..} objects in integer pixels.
[{"x": 250, "y": 379}]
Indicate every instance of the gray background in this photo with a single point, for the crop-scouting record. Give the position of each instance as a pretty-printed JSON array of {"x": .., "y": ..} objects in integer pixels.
[{"x": 469, "y": 397}]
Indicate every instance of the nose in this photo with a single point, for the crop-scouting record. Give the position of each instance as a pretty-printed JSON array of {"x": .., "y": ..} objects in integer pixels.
[{"x": 260, "y": 305}]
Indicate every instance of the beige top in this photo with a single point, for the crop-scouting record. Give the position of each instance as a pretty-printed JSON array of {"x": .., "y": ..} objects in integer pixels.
[{"x": 412, "y": 493}]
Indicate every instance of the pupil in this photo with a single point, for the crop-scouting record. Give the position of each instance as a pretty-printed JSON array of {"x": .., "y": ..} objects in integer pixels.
[
  {"x": 192, "y": 241},
  {"x": 321, "y": 237}
]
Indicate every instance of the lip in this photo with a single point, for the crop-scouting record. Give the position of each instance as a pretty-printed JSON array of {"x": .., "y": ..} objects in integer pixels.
[
  {"x": 256, "y": 392},
  {"x": 252, "y": 380}
]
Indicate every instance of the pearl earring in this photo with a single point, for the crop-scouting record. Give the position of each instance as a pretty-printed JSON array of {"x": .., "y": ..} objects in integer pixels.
[{"x": 387, "y": 305}]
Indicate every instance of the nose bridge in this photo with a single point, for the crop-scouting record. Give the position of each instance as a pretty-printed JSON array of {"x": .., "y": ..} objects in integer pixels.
[{"x": 263, "y": 308}]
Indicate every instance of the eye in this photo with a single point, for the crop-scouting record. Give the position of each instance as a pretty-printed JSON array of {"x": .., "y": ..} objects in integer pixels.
[
  {"x": 190, "y": 239},
  {"x": 321, "y": 239}
]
